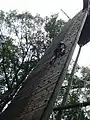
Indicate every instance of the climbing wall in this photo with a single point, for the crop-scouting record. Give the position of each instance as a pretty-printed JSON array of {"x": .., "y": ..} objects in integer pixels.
[{"x": 36, "y": 98}]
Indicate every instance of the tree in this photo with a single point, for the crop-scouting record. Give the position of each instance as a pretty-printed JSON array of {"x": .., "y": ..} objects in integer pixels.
[
  {"x": 53, "y": 25},
  {"x": 79, "y": 93},
  {"x": 24, "y": 39},
  {"x": 23, "y": 43}
]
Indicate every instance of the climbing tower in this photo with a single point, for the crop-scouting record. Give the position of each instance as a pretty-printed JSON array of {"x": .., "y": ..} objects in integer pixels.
[{"x": 35, "y": 100}]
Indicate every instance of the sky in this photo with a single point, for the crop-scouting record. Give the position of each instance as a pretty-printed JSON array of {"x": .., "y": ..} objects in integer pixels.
[{"x": 46, "y": 8}]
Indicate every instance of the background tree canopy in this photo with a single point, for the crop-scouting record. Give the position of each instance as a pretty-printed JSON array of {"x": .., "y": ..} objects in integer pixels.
[
  {"x": 23, "y": 41},
  {"x": 79, "y": 93}
]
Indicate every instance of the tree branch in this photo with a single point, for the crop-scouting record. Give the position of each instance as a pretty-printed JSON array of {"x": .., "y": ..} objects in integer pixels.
[
  {"x": 84, "y": 104},
  {"x": 4, "y": 70}
]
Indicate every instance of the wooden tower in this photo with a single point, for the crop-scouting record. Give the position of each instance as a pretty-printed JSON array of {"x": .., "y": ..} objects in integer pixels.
[{"x": 35, "y": 100}]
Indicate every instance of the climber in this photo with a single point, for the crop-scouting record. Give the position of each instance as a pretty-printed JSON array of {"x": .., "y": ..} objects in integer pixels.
[
  {"x": 59, "y": 51},
  {"x": 85, "y": 4}
]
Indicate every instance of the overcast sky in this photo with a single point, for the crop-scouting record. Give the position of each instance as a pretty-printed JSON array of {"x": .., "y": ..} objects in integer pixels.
[{"x": 46, "y": 8}]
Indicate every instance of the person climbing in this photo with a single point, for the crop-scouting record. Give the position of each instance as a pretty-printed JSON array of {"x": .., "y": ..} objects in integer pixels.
[
  {"x": 85, "y": 4},
  {"x": 59, "y": 51}
]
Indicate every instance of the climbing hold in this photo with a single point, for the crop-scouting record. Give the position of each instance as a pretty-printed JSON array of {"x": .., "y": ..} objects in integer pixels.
[
  {"x": 52, "y": 71},
  {"x": 45, "y": 101},
  {"x": 58, "y": 63}
]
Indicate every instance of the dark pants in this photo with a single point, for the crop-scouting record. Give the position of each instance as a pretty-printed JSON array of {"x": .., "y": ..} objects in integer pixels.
[{"x": 85, "y": 4}]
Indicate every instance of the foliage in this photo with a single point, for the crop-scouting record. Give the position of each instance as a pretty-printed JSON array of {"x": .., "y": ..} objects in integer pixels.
[
  {"x": 79, "y": 92},
  {"x": 23, "y": 41},
  {"x": 53, "y": 25}
]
